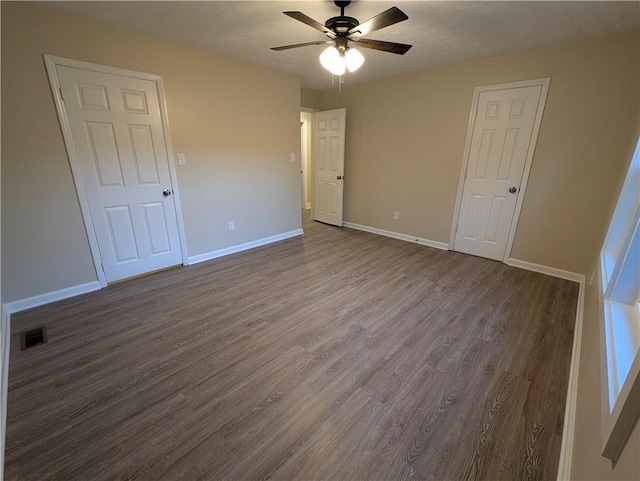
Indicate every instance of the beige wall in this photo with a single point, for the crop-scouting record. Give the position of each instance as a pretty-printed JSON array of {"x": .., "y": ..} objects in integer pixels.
[
  {"x": 404, "y": 151},
  {"x": 588, "y": 464},
  {"x": 237, "y": 124},
  {"x": 406, "y": 135},
  {"x": 309, "y": 98}
]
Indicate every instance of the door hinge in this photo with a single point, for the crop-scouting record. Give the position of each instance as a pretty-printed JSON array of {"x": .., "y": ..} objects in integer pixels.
[
  {"x": 456, "y": 229},
  {"x": 61, "y": 96}
]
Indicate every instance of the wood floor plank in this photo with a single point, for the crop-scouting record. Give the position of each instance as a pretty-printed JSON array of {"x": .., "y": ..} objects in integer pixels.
[{"x": 338, "y": 355}]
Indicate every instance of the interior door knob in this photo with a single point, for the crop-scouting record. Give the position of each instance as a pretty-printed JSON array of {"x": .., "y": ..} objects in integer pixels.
[
  {"x": 166, "y": 193},
  {"x": 339, "y": 177},
  {"x": 512, "y": 190}
]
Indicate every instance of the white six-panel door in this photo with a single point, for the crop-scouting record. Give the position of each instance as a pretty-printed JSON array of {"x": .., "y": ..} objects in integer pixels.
[
  {"x": 500, "y": 141},
  {"x": 329, "y": 133},
  {"x": 119, "y": 142}
]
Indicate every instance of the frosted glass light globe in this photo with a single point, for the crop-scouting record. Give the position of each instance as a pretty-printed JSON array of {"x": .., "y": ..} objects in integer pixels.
[
  {"x": 329, "y": 56},
  {"x": 353, "y": 59},
  {"x": 333, "y": 61}
]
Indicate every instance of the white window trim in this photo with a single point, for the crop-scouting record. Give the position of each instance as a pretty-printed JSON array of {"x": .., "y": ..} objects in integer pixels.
[{"x": 620, "y": 321}]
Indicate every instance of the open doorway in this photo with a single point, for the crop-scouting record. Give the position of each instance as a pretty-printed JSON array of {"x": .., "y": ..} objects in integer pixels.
[{"x": 306, "y": 153}]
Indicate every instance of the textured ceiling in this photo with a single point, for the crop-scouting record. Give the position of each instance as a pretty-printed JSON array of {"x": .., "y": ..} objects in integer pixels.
[{"x": 442, "y": 32}]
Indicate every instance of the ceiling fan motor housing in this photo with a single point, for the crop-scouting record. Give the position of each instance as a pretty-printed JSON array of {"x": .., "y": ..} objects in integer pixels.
[
  {"x": 342, "y": 24},
  {"x": 342, "y": 29}
]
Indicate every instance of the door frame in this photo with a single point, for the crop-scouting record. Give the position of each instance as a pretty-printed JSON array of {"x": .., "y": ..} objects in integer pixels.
[
  {"x": 310, "y": 160},
  {"x": 308, "y": 149},
  {"x": 344, "y": 155},
  {"x": 51, "y": 62},
  {"x": 303, "y": 161},
  {"x": 544, "y": 84}
]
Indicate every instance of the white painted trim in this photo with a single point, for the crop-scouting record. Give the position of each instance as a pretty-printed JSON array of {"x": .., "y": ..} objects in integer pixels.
[
  {"x": 342, "y": 113},
  {"x": 172, "y": 171},
  {"x": 616, "y": 422},
  {"x": 463, "y": 169},
  {"x": 566, "y": 447},
  {"x": 605, "y": 414},
  {"x": 544, "y": 84},
  {"x": 42, "y": 299},
  {"x": 568, "y": 431},
  {"x": 51, "y": 62},
  {"x": 69, "y": 62},
  {"x": 304, "y": 158},
  {"x": 397, "y": 235},
  {"x": 5, "y": 337},
  {"x": 550, "y": 271},
  {"x": 619, "y": 424},
  {"x": 243, "y": 247},
  {"x": 47, "y": 298},
  {"x": 310, "y": 163}
]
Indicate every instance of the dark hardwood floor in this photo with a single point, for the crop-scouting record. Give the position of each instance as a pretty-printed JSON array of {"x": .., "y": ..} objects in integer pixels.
[{"x": 339, "y": 355}]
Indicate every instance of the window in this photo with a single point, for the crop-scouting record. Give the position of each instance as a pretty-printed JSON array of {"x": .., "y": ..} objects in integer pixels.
[{"x": 620, "y": 277}]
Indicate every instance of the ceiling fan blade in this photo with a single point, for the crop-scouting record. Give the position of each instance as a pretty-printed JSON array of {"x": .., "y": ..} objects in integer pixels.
[
  {"x": 388, "y": 17},
  {"x": 305, "y": 44},
  {"x": 392, "y": 47},
  {"x": 301, "y": 17}
]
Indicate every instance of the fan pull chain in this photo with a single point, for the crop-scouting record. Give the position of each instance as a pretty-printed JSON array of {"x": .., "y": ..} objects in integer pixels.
[{"x": 333, "y": 83}]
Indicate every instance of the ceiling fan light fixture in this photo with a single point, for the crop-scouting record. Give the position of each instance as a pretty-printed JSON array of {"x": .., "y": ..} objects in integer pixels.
[
  {"x": 329, "y": 56},
  {"x": 339, "y": 68},
  {"x": 343, "y": 29},
  {"x": 354, "y": 59},
  {"x": 333, "y": 61}
]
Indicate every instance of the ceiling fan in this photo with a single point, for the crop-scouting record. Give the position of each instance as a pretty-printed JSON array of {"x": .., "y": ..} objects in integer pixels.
[{"x": 343, "y": 29}]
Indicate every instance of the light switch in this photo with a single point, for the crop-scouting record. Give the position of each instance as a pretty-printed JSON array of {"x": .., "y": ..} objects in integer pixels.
[
  {"x": 182, "y": 159},
  {"x": 293, "y": 156}
]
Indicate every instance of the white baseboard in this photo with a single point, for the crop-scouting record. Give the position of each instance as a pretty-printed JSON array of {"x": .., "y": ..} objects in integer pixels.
[
  {"x": 568, "y": 431},
  {"x": 397, "y": 235},
  {"x": 243, "y": 247},
  {"x": 566, "y": 447},
  {"x": 550, "y": 271},
  {"x": 5, "y": 336},
  {"x": 48, "y": 297}
]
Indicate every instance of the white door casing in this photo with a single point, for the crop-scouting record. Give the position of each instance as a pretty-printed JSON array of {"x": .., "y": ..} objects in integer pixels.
[
  {"x": 328, "y": 160},
  {"x": 115, "y": 130},
  {"x": 501, "y": 139},
  {"x": 303, "y": 161},
  {"x": 306, "y": 148}
]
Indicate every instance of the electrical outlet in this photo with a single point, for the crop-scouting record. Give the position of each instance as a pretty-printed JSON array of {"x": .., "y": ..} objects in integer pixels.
[
  {"x": 396, "y": 215},
  {"x": 232, "y": 225}
]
